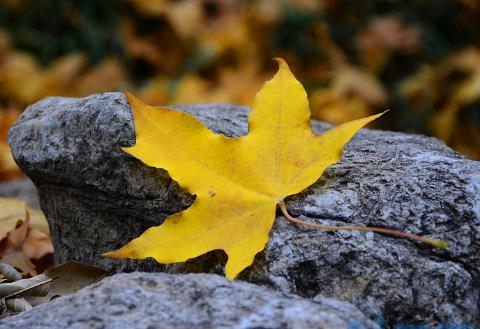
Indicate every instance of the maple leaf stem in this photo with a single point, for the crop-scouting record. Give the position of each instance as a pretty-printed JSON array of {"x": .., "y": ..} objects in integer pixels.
[{"x": 434, "y": 243}]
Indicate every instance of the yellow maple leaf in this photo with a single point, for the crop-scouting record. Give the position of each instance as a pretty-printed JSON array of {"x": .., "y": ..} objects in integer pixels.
[{"x": 238, "y": 181}]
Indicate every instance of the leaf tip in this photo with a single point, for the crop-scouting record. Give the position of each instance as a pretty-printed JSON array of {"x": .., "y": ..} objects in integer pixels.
[
  {"x": 280, "y": 61},
  {"x": 233, "y": 268},
  {"x": 127, "y": 93},
  {"x": 230, "y": 274},
  {"x": 118, "y": 253},
  {"x": 109, "y": 254},
  {"x": 440, "y": 244},
  {"x": 378, "y": 115},
  {"x": 132, "y": 100},
  {"x": 230, "y": 277},
  {"x": 127, "y": 149},
  {"x": 384, "y": 112},
  {"x": 282, "y": 64}
]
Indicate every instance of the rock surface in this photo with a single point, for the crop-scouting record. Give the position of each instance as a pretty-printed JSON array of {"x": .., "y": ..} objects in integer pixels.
[
  {"x": 97, "y": 198},
  {"x": 158, "y": 300}
]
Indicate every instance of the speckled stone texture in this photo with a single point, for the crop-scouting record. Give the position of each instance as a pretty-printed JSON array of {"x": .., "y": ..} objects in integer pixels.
[
  {"x": 97, "y": 198},
  {"x": 190, "y": 301}
]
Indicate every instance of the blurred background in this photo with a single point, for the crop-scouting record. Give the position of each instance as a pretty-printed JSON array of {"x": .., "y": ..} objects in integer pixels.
[{"x": 419, "y": 58}]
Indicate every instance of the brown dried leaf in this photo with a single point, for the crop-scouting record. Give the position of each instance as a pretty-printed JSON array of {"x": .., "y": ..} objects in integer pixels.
[
  {"x": 37, "y": 245},
  {"x": 12, "y": 210},
  {"x": 11, "y": 249},
  {"x": 72, "y": 276},
  {"x": 108, "y": 75},
  {"x": 58, "y": 281},
  {"x": 23, "y": 244}
]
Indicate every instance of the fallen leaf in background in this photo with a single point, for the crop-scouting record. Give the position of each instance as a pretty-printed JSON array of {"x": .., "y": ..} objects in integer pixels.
[
  {"x": 349, "y": 80},
  {"x": 37, "y": 245},
  {"x": 57, "y": 281},
  {"x": 70, "y": 277},
  {"x": 155, "y": 91},
  {"x": 179, "y": 12},
  {"x": 24, "y": 79},
  {"x": 353, "y": 93},
  {"x": 157, "y": 8},
  {"x": 61, "y": 75},
  {"x": 26, "y": 246},
  {"x": 421, "y": 87},
  {"x": 328, "y": 106},
  {"x": 146, "y": 47},
  {"x": 107, "y": 75},
  {"x": 11, "y": 249},
  {"x": 13, "y": 210},
  {"x": 241, "y": 84},
  {"x": 384, "y": 36},
  {"x": 8, "y": 167},
  {"x": 450, "y": 89},
  {"x": 230, "y": 33},
  {"x": 193, "y": 89},
  {"x": 19, "y": 77}
]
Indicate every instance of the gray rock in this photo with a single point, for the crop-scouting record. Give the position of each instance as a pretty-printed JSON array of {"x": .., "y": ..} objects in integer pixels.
[
  {"x": 97, "y": 198},
  {"x": 21, "y": 188},
  {"x": 158, "y": 300}
]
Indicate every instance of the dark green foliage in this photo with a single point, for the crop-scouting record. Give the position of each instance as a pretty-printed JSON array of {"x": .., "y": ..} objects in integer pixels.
[{"x": 51, "y": 28}]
